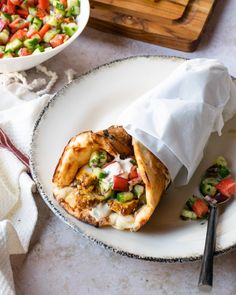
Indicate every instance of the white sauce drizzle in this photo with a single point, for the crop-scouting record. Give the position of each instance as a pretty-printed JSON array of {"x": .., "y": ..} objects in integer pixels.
[
  {"x": 121, "y": 222},
  {"x": 118, "y": 167},
  {"x": 100, "y": 211}
]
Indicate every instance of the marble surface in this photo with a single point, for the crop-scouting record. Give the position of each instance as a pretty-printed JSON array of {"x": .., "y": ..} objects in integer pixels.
[{"x": 61, "y": 261}]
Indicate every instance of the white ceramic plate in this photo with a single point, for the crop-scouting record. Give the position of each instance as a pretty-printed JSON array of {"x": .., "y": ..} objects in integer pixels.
[{"x": 92, "y": 102}]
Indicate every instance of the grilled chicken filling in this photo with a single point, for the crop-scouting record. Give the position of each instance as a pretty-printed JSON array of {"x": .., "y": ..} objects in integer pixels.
[{"x": 107, "y": 180}]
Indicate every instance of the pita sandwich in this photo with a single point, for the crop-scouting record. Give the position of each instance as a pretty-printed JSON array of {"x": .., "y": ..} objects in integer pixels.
[{"x": 108, "y": 178}]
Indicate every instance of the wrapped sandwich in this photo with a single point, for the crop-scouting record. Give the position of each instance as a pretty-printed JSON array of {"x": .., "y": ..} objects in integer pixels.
[{"x": 108, "y": 178}]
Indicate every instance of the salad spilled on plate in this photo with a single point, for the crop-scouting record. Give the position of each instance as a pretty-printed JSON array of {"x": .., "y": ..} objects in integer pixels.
[
  {"x": 217, "y": 185},
  {"x": 108, "y": 178},
  {"x": 34, "y": 26}
]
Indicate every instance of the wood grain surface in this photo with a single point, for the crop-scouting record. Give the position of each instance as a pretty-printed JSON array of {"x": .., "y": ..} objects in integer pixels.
[{"x": 176, "y": 24}]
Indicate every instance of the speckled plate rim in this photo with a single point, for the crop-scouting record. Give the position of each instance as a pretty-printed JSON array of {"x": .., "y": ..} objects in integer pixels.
[{"x": 76, "y": 228}]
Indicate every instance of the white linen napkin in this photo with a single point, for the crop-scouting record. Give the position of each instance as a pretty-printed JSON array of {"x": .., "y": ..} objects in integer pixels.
[
  {"x": 19, "y": 109},
  {"x": 20, "y": 105},
  {"x": 175, "y": 119}
]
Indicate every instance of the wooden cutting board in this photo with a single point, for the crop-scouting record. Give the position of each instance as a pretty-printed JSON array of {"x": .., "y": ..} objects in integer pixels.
[{"x": 176, "y": 24}]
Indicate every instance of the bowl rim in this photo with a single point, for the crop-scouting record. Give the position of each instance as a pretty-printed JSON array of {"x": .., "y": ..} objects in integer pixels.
[{"x": 84, "y": 14}]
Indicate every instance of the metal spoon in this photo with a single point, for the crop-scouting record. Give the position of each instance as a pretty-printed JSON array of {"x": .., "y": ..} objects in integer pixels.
[{"x": 206, "y": 274}]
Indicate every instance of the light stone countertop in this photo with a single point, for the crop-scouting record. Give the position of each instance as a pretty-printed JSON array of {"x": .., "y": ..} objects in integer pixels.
[{"x": 61, "y": 261}]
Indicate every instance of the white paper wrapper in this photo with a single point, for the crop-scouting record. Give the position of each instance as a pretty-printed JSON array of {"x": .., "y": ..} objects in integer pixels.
[{"x": 175, "y": 119}]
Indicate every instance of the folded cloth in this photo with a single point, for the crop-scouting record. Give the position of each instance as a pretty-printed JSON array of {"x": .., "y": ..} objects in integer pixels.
[
  {"x": 175, "y": 119},
  {"x": 18, "y": 212}
]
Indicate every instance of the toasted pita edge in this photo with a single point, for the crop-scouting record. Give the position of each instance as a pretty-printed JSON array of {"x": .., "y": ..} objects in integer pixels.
[{"x": 156, "y": 178}]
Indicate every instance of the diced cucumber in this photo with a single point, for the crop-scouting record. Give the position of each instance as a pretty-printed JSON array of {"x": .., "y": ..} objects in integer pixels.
[
  {"x": 223, "y": 171},
  {"x": 222, "y": 167},
  {"x": 125, "y": 197},
  {"x": 190, "y": 202},
  {"x": 73, "y": 7},
  {"x": 108, "y": 195},
  {"x": 186, "y": 214},
  {"x": 73, "y": 11},
  {"x": 59, "y": 6},
  {"x": 207, "y": 186},
  {"x": 14, "y": 17},
  {"x": 5, "y": 17},
  {"x": 13, "y": 45},
  {"x": 71, "y": 3},
  {"x": 38, "y": 50},
  {"x": 51, "y": 20},
  {"x": 37, "y": 23},
  {"x": 60, "y": 13},
  {"x": 97, "y": 158},
  {"x": 4, "y": 36},
  {"x": 32, "y": 11},
  {"x": 31, "y": 43},
  {"x": 2, "y": 49},
  {"x": 138, "y": 190},
  {"x": 49, "y": 35},
  {"x": 220, "y": 161},
  {"x": 40, "y": 47},
  {"x": 69, "y": 29},
  {"x": 7, "y": 55},
  {"x": 104, "y": 186},
  {"x": 99, "y": 172},
  {"x": 30, "y": 18}
]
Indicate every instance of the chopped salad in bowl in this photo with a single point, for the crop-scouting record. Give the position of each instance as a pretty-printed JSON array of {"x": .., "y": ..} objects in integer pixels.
[
  {"x": 33, "y": 26},
  {"x": 38, "y": 27}
]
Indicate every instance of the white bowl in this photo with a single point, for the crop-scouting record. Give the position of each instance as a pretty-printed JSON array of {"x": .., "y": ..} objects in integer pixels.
[{"x": 27, "y": 62}]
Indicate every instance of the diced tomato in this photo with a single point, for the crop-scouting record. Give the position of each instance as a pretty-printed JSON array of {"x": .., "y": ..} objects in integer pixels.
[
  {"x": 31, "y": 32},
  {"x": 64, "y": 2},
  {"x": 227, "y": 187},
  {"x": 200, "y": 208},
  {"x": 133, "y": 173},
  {"x": 3, "y": 25},
  {"x": 120, "y": 184},
  {"x": 18, "y": 23},
  {"x": 31, "y": 3},
  {"x": 41, "y": 13},
  {"x": 4, "y": 8},
  {"x": 43, "y": 4},
  {"x": 11, "y": 7},
  {"x": 24, "y": 52},
  {"x": 16, "y": 2},
  {"x": 44, "y": 30},
  {"x": 1, "y": 54},
  {"x": 20, "y": 34},
  {"x": 57, "y": 40},
  {"x": 23, "y": 12}
]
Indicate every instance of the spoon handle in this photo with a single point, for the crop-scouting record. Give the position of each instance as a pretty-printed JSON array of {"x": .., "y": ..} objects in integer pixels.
[{"x": 206, "y": 274}]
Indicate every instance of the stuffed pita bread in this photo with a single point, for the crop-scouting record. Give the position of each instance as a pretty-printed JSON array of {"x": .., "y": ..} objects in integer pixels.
[{"x": 108, "y": 178}]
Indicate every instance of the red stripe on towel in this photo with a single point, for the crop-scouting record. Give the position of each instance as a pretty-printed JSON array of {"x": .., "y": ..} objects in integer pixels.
[{"x": 5, "y": 142}]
